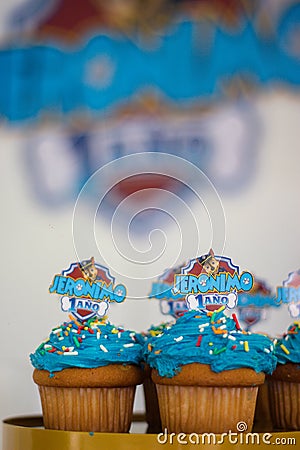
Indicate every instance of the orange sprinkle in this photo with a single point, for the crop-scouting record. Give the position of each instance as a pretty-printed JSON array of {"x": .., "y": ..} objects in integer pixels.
[
  {"x": 74, "y": 320},
  {"x": 157, "y": 352},
  {"x": 218, "y": 331},
  {"x": 149, "y": 347}
]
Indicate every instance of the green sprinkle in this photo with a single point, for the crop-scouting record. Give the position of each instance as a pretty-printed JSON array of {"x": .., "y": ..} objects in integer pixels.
[
  {"x": 76, "y": 342},
  {"x": 216, "y": 352},
  {"x": 90, "y": 321}
]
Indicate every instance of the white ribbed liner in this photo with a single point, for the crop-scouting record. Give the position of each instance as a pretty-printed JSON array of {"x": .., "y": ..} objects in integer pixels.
[
  {"x": 197, "y": 409},
  {"x": 87, "y": 409}
]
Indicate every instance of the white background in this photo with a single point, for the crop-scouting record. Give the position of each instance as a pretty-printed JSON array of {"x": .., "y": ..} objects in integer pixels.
[{"x": 262, "y": 229}]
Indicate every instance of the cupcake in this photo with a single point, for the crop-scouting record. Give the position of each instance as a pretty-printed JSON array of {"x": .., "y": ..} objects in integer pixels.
[
  {"x": 87, "y": 375},
  {"x": 207, "y": 372},
  {"x": 284, "y": 384},
  {"x": 151, "y": 400}
]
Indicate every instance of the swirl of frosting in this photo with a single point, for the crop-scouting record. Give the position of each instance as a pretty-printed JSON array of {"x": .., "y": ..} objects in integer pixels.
[
  {"x": 209, "y": 338},
  {"x": 287, "y": 349},
  {"x": 154, "y": 332},
  {"x": 94, "y": 343}
]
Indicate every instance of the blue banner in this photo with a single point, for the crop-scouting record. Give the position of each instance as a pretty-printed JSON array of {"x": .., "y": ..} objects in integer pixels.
[{"x": 112, "y": 68}]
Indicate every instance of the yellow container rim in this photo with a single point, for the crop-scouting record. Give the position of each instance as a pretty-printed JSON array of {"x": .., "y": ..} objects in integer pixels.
[{"x": 27, "y": 433}]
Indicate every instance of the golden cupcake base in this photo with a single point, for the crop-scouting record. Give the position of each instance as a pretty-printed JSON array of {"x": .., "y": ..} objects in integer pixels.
[{"x": 27, "y": 433}]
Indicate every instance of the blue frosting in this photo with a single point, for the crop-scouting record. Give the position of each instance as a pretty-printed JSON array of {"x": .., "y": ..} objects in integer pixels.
[
  {"x": 154, "y": 332},
  {"x": 209, "y": 338},
  {"x": 287, "y": 349},
  {"x": 94, "y": 344}
]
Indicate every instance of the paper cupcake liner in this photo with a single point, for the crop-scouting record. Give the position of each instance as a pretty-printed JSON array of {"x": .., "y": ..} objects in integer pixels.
[
  {"x": 87, "y": 409},
  {"x": 197, "y": 409},
  {"x": 285, "y": 404},
  {"x": 262, "y": 417},
  {"x": 152, "y": 407}
]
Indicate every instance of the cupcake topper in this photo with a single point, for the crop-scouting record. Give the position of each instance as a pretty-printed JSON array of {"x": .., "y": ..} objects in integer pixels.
[
  {"x": 289, "y": 293},
  {"x": 211, "y": 281},
  {"x": 170, "y": 303},
  {"x": 86, "y": 289},
  {"x": 253, "y": 305}
]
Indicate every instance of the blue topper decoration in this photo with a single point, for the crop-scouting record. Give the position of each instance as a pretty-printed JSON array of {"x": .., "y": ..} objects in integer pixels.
[
  {"x": 210, "y": 281},
  {"x": 86, "y": 288},
  {"x": 170, "y": 303},
  {"x": 289, "y": 293},
  {"x": 253, "y": 305}
]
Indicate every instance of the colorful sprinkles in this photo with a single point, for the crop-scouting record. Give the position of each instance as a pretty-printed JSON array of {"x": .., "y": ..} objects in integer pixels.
[
  {"x": 212, "y": 338},
  {"x": 287, "y": 348},
  {"x": 222, "y": 327},
  {"x": 73, "y": 335},
  {"x": 215, "y": 336}
]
